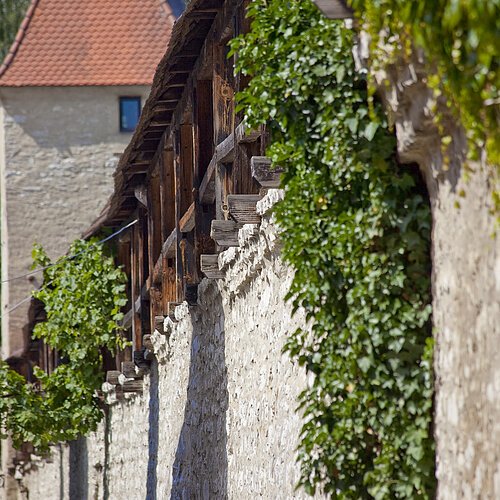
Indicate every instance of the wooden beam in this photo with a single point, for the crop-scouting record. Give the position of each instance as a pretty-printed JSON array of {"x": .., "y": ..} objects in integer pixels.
[
  {"x": 132, "y": 385},
  {"x": 225, "y": 232},
  {"x": 207, "y": 186},
  {"x": 225, "y": 150},
  {"x": 126, "y": 322},
  {"x": 158, "y": 124},
  {"x": 168, "y": 248},
  {"x": 264, "y": 173},
  {"x": 178, "y": 190},
  {"x": 244, "y": 135},
  {"x": 147, "y": 342},
  {"x": 224, "y": 153},
  {"x": 159, "y": 320},
  {"x": 128, "y": 369},
  {"x": 186, "y": 223},
  {"x": 165, "y": 108},
  {"x": 242, "y": 208},
  {"x": 112, "y": 377},
  {"x": 140, "y": 192},
  {"x": 210, "y": 266}
]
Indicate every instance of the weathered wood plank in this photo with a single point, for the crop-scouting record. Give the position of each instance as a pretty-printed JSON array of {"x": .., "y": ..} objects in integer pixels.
[
  {"x": 187, "y": 221},
  {"x": 264, "y": 173},
  {"x": 112, "y": 377},
  {"x": 140, "y": 192},
  {"x": 246, "y": 135},
  {"x": 242, "y": 208},
  {"x": 225, "y": 232},
  {"x": 129, "y": 370},
  {"x": 207, "y": 186},
  {"x": 132, "y": 386},
  {"x": 158, "y": 270},
  {"x": 210, "y": 266},
  {"x": 168, "y": 248},
  {"x": 224, "y": 153},
  {"x": 147, "y": 342},
  {"x": 159, "y": 323},
  {"x": 178, "y": 211},
  {"x": 225, "y": 150}
]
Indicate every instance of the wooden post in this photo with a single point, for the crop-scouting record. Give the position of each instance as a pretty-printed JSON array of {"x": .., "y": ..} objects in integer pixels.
[
  {"x": 178, "y": 255},
  {"x": 169, "y": 230},
  {"x": 135, "y": 287}
]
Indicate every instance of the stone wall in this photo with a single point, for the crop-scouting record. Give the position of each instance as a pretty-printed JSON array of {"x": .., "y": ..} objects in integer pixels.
[
  {"x": 217, "y": 417},
  {"x": 58, "y": 151},
  {"x": 466, "y": 290}
]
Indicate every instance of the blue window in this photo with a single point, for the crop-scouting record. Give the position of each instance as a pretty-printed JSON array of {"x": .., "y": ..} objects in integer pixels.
[{"x": 130, "y": 110}]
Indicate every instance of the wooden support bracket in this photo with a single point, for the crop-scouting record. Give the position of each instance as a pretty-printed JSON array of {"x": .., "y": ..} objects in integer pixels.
[
  {"x": 159, "y": 323},
  {"x": 112, "y": 377},
  {"x": 242, "y": 208},
  {"x": 168, "y": 248},
  {"x": 186, "y": 224},
  {"x": 210, "y": 266},
  {"x": 146, "y": 342},
  {"x": 132, "y": 386},
  {"x": 128, "y": 369},
  {"x": 225, "y": 232},
  {"x": 262, "y": 171},
  {"x": 245, "y": 135}
]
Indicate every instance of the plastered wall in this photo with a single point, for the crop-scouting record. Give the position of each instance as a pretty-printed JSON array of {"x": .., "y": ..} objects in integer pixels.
[
  {"x": 217, "y": 418},
  {"x": 58, "y": 151}
]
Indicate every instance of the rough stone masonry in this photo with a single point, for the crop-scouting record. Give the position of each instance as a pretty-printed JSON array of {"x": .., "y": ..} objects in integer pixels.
[{"x": 217, "y": 416}]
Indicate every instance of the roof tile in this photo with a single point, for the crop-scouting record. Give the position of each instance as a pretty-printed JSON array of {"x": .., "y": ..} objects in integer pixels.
[{"x": 91, "y": 42}]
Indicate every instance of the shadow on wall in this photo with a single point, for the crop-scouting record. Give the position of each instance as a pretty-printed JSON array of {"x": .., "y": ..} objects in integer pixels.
[
  {"x": 153, "y": 436},
  {"x": 200, "y": 465},
  {"x": 78, "y": 470}
]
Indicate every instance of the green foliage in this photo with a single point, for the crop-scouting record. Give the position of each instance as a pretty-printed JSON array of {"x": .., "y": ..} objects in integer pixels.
[
  {"x": 460, "y": 41},
  {"x": 83, "y": 296},
  {"x": 356, "y": 229},
  {"x": 11, "y": 15}
]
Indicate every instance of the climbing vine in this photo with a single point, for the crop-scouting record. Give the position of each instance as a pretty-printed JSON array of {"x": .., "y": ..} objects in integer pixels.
[
  {"x": 82, "y": 296},
  {"x": 356, "y": 229},
  {"x": 460, "y": 42}
]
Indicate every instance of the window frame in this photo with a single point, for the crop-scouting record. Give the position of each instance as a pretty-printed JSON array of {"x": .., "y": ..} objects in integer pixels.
[{"x": 121, "y": 101}]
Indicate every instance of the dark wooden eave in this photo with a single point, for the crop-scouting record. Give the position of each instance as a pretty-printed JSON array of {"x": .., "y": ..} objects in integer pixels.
[{"x": 185, "y": 46}]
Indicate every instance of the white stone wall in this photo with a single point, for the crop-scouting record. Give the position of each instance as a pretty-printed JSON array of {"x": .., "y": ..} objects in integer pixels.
[
  {"x": 58, "y": 151},
  {"x": 466, "y": 292},
  {"x": 217, "y": 418}
]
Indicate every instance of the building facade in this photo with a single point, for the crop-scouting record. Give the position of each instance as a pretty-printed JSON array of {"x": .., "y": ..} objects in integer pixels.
[{"x": 71, "y": 90}]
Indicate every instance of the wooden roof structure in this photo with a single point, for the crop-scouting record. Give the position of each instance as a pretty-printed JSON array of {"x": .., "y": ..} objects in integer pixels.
[{"x": 191, "y": 175}]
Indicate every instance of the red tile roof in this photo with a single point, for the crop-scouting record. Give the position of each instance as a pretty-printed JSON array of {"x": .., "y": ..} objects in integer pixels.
[{"x": 88, "y": 42}]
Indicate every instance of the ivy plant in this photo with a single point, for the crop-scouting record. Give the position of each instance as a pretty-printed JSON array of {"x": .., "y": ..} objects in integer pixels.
[
  {"x": 460, "y": 42},
  {"x": 356, "y": 229},
  {"x": 83, "y": 296}
]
